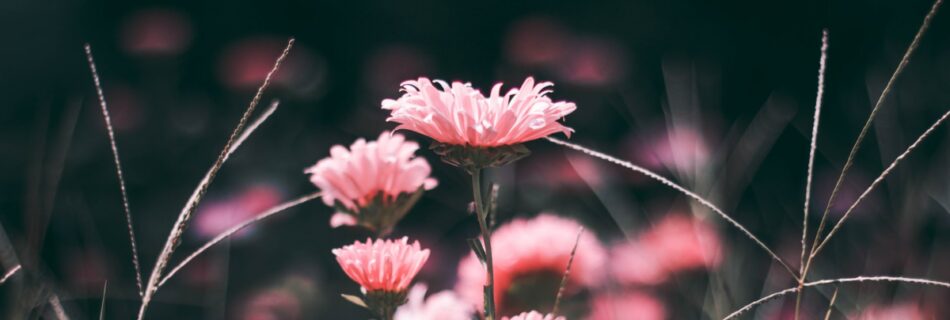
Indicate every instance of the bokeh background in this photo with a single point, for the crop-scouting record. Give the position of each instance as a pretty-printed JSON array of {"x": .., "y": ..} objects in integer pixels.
[{"x": 717, "y": 95}]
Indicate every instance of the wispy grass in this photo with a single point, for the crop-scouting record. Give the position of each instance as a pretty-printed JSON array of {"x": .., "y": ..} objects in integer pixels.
[
  {"x": 778, "y": 294},
  {"x": 831, "y": 304},
  {"x": 818, "y": 243},
  {"x": 13, "y": 271},
  {"x": 118, "y": 167},
  {"x": 867, "y": 124},
  {"x": 677, "y": 187},
  {"x": 238, "y": 227},
  {"x": 567, "y": 271},
  {"x": 102, "y": 305},
  {"x": 879, "y": 179},
  {"x": 178, "y": 229},
  {"x": 822, "y": 63}
]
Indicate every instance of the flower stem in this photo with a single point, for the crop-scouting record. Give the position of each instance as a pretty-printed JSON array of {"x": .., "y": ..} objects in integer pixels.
[{"x": 482, "y": 215}]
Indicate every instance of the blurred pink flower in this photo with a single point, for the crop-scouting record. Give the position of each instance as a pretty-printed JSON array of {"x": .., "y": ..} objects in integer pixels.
[
  {"x": 156, "y": 32},
  {"x": 354, "y": 178},
  {"x": 444, "y": 305},
  {"x": 383, "y": 265},
  {"x": 634, "y": 263},
  {"x": 217, "y": 216},
  {"x": 458, "y": 114},
  {"x": 903, "y": 311},
  {"x": 245, "y": 63},
  {"x": 536, "y": 41},
  {"x": 273, "y": 305},
  {"x": 524, "y": 247},
  {"x": 627, "y": 306},
  {"x": 593, "y": 61},
  {"x": 393, "y": 63},
  {"x": 534, "y": 315},
  {"x": 565, "y": 170},
  {"x": 675, "y": 244}
]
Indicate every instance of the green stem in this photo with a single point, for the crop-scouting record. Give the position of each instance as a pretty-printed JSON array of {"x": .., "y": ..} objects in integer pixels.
[{"x": 482, "y": 216}]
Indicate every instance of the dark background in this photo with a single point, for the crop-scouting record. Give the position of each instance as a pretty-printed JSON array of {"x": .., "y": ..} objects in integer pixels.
[{"x": 740, "y": 74}]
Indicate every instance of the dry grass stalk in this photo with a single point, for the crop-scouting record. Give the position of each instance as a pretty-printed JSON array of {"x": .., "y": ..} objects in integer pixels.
[
  {"x": 679, "y": 188},
  {"x": 238, "y": 227},
  {"x": 836, "y": 281},
  {"x": 118, "y": 167},
  {"x": 178, "y": 229}
]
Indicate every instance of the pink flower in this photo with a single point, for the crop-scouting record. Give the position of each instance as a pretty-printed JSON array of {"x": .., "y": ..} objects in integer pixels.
[
  {"x": 384, "y": 174},
  {"x": 444, "y": 305},
  {"x": 458, "y": 114},
  {"x": 526, "y": 248},
  {"x": 677, "y": 243},
  {"x": 534, "y": 315},
  {"x": 627, "y": 306},
  {"x": 383, "y": 265}
]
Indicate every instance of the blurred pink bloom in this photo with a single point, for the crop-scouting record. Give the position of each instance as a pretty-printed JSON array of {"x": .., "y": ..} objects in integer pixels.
[
  {"x": 592, "y": 61},
  {"x": 156, "y": 32},
  {"x": 244, "y": 65},
  {"x": 217, "y": 216},
  {"x": 444, "y": 305},
  {"x": 903, "y": 311},
  {"x": 565, "y": 170},
  {"x": 677, "y": 243},
  {"x": 534, "y": 315},
  {"x": 393, "y": 63},
  {"x": 627, "y": 306},
  {"x": 524, "y": 247},
  {"x": 634, "y": 263},
  {"x": 536, "y": 41},
  {"x": 683, "y": 150},
  {"x": 272, "y": 305},
  {"x": 383, "y": 265},
  {"x": 354, "y": 177},
  {"x": 458, "y": 114}
]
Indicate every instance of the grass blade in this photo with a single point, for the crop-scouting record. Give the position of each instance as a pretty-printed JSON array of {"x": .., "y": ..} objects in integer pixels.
[
  {"x": 679, "y": 188},
  {"x": 178, "y": 229},
  {"x": 238, "y": 227},
  {"x": 118, "y": 167}
]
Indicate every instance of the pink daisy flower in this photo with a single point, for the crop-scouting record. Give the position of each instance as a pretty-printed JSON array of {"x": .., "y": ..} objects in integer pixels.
[
  {"x": 383, "y": 265},
  {"x": 474, "y": 131},
  {"x": 534, "y": 315},
  {"x": 373, "y": 183},
  {"x": 531, "y": 255},
  {"x": 458, "y": 114},
  {"x": 445, "y": 305}
]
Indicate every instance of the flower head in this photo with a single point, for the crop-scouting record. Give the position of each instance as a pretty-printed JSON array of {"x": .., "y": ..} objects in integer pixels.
[
  {"x": 474, "y": 130},
  {"x": 444, "y": 305},
  {"x": 460, "y": 115},
  {"x": 534, "y": 315},
  {"x": 382, "y": 265},
  {"x": 530, "y": 256},
  {"x": 374, "y": 182}
]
